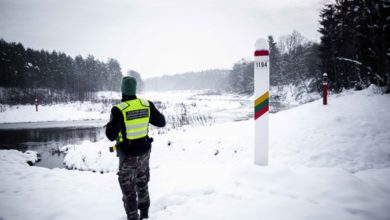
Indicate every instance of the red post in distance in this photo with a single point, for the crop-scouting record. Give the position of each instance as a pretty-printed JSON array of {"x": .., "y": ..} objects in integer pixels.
[
  {"x": 36, "y": 105},
  {"x": 325, "y": 84}
]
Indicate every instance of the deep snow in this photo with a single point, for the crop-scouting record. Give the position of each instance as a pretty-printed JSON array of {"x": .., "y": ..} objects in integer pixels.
[{"x": 326, "y": 162}]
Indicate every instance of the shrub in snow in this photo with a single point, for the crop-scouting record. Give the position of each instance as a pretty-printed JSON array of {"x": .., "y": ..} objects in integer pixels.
[
  {"x": 90, "y": 156},
  {"x": 293, "y": 95}
]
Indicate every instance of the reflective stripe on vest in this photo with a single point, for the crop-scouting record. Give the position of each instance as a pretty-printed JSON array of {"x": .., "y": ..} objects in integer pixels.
[{"x": 136, "y": 115}]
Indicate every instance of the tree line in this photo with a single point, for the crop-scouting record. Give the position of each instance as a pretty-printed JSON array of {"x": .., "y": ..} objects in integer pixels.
[
  {"x": 354, "y": 51},
  {"x": 28, "y": 73},
  {"x": 214, "y": 79},
  {"x": 293, "y": 60}
]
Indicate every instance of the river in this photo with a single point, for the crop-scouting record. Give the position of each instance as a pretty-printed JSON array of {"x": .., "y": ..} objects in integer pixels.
[{"x": 47, "y": 138}]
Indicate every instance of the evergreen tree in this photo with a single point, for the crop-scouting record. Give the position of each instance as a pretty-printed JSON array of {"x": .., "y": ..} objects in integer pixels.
[
  {"x": 274, "y": 57},
  {"x": 354, "y": 49},
  {"x": 241, "y": 77},
  {"x": 114, "y": 74}
]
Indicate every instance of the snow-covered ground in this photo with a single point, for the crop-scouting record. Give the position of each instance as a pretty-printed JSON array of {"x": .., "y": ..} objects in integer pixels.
[
  {"x": 184, "y": 107},
  {"x": 59, "y": 112},
  {"x": 179, "y": 107},
  {"x": 74, "y": 111},
  {"x": 326, "y": 162}
]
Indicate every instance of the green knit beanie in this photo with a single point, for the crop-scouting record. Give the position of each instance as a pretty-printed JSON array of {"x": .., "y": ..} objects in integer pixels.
[{"x": 129, "y": 85}]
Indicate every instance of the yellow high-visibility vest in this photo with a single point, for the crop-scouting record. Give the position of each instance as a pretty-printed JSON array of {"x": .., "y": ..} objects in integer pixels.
[{"x": 136, "y": 116}]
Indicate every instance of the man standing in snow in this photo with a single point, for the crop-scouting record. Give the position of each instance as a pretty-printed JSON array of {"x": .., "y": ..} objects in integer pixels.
[{"x": 129, "y": 125}]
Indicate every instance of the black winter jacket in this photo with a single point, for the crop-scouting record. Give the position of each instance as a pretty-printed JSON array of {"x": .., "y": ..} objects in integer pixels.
[{"x": 116, "y": 124}]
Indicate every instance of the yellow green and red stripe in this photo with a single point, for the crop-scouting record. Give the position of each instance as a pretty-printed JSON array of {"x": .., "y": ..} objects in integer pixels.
[{"x": 261, "y": 105}]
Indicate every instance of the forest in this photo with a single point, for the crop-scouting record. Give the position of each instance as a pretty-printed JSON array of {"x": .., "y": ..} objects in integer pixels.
[
  {"x": 355, "y": 43},
  {"x": 26, "y": 74},
  {"x": 354, "y": 51},
  {"x": 293, "y": 60}
]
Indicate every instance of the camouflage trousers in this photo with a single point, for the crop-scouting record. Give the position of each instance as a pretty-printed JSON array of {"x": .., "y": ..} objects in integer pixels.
[{"x": 133, "y": 179}]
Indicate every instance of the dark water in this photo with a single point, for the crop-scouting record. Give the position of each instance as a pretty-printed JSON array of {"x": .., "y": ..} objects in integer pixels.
[{"x": 48, "y": 140}]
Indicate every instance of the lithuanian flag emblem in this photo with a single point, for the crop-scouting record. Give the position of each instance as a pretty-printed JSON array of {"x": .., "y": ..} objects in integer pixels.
[{"x": 261, "y": 105}]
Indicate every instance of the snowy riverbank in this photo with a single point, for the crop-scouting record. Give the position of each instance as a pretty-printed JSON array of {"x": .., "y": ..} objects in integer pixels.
[
  {"x": 352, "y": 133},
  {"x": 199, "y": 107},
  {"x": 179, "y": 107},
  {"x": 60, "y": 112},
  {"x": 326, "y": 162}
]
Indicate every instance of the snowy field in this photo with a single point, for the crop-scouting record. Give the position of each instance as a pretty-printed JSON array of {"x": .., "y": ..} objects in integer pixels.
[
  {"x": 179, "y": 107},
  {"x": 59, "y": 112},
  {"x": 185, "y": 107},
  {"x": 326, "y": 162}
]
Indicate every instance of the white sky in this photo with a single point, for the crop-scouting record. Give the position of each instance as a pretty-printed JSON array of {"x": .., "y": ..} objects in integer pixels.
[{"x": 156, "y": 37}]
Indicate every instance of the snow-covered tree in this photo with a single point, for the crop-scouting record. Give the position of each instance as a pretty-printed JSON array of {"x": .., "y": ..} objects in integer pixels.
[
  {"x": 39, "y": 73},
  {"x": 355, "y": 50}
]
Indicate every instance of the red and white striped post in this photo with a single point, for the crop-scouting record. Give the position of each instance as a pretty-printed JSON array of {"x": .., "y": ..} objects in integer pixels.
[
  {"x": 325, "y": 84},
  {"x": 261, "y": 105}
]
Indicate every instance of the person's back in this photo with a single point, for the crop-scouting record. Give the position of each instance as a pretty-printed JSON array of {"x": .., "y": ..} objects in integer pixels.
[{"x": 129, "y": 125}]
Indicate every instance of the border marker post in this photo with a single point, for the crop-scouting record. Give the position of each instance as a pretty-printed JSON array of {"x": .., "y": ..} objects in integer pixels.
[
  {"x": 36, "y": 104},
  {"x": 261, "y": 105},
  {"x": 325, "y": 84}
]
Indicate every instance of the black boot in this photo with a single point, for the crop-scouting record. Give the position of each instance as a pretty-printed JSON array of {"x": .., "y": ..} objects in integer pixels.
[{"x": 144, "y": 213}]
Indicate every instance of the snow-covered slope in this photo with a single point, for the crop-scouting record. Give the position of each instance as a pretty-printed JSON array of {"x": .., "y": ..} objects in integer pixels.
[
  {"x": 326, "y": 162},
  {"x": 352, "y": 132}
]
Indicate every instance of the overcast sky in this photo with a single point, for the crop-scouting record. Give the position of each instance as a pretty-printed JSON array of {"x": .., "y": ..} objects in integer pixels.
[{"x": 156, "y": 37}]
